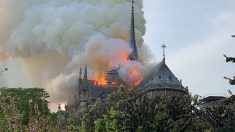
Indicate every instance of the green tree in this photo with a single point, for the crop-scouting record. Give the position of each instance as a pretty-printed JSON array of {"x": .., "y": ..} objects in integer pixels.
[
  {"x": 125, "y": 110},
  {"x": 221, "y": 116},
  {"x": 24, "y": 108}
]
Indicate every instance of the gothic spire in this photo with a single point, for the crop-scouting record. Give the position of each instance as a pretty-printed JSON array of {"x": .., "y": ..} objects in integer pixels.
[
  {"x": 80, "y": 81},
  {"x": 80, "y": 73},
  {"x": 84, "y": 94},
  {"x": 85, "y": 73},
  {"x": 132, "y": 41}
]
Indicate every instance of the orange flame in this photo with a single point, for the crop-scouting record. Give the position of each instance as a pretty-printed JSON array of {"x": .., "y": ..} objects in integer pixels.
[
  {"x": 137, "y": 82},
  {"x": 134, "y": 73},
  {"x": 100, "y": 80},
  {"x": 124, "y": 57},
  {"x": 133, "y": 76}
]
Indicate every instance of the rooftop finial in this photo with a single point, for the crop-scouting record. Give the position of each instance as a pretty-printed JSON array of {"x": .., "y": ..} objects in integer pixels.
[
  {"x": 163, "y": 48},
  {"x": 132, "y": 5}
]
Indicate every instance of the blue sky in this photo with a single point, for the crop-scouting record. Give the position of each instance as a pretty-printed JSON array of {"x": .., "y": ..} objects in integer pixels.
[{"x": 197, "y": 34}]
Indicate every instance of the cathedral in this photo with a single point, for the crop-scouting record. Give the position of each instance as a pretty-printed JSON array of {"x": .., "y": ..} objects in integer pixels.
[{"x": 160, "y": 82}]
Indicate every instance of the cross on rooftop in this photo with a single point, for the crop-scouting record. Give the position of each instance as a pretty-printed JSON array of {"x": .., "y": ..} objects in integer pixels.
[{"x": 163, "y": 48}]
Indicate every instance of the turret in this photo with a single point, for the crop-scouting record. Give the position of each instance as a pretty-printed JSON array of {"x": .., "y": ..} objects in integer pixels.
[
  {"x": 84, "y": 93},
  {"x": 80, "y": 82}
]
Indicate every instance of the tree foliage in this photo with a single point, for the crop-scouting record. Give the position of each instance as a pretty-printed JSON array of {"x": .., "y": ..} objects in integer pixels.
[
  {"x": 26, "y": 109},
  {"x": 230, "y": 59},
  {"x": 22, "y": 109},
  {"x": 123, "y": 111},
  {"x": 221, "y": 116}
]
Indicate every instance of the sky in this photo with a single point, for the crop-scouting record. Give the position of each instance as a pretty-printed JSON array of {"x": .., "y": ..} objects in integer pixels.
[{"x": 197, "y": 34}]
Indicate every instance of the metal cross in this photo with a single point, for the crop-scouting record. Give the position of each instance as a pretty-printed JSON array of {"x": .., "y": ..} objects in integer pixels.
[{"x": 163, "y": 48}]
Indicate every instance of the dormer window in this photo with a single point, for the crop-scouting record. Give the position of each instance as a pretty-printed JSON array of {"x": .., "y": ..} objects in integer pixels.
[{"x": 170, "y": 78}]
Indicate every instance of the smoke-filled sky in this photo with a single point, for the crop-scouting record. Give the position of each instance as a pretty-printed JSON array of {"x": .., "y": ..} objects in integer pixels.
[{"x": 197, "y": 34}]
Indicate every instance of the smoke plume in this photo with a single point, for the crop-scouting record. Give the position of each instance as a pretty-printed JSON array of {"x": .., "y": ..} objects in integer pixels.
[{"x": 53, "y": 39}]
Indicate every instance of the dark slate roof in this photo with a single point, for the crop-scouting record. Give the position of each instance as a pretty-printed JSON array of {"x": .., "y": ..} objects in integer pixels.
[
  {"x": 212, "y": 98},
  {"x": 160, "y": 77},
  {"x": 212, "y": 101}
]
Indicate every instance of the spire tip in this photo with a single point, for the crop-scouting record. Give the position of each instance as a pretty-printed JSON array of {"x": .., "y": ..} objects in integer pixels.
[{"x": 163, "y": 48}]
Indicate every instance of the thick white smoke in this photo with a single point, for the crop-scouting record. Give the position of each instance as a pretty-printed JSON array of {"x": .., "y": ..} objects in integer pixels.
[
  {"x": 53, "y": 39},
  {"x": 102, "y": 53}
]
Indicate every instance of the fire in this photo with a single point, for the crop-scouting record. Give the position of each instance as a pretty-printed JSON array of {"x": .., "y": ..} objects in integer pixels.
[
  {"x": 100, "y": 80},
  {"x": 135, "y": 76},
  {"x": 124, "y": 57},
  {"x": 137, "y": 82},
  {"x": 130, "y": 74},
  {"x": 133, "y": 72}
]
